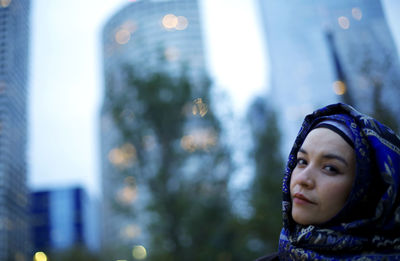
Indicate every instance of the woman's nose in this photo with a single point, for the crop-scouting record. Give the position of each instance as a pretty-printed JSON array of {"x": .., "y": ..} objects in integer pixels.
[{"x": 305, "y": 178}]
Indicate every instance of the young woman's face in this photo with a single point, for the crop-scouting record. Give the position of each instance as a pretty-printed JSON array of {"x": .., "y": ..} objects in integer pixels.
[{"x": 322, "y": 178}]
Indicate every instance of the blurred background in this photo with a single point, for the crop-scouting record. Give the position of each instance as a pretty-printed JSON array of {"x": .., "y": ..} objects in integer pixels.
[{"x": 159, "y": 129}]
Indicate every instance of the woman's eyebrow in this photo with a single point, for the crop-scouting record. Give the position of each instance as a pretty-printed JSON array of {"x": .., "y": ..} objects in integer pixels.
[
  {"x": 328, "y": 156},
  {"x": 337, "y": 157},
  {"x": 303, "y": 151}
]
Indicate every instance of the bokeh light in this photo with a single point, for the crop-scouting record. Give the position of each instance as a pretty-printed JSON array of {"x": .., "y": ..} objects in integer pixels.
[
  {"x": 127, "y": 195},
  {"x": 199, "y": 107},
  {"x": 170, "y": 21},
  {"x": 5, "y": 3},
  {"x": 139, "y": 252},
  {"x": 130, "y": 26},
  {"x": 339, "y": 87},
  {"x": 356, "y": 12},
  {"x": 187, "y": 143},
  {"x": 124, "y": 156},
  {"x": 182, "y": 23},
  {"x": 122, "y": 36},
  {"x": 40, "y": 256},
  {"x": 344, "y": 22},
  {"x": 130, "y": 231},
  {"x": 199, "y": 139}
]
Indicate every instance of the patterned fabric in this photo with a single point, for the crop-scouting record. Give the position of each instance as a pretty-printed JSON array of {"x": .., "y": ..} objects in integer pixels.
[{"x": 368, "y": 226}]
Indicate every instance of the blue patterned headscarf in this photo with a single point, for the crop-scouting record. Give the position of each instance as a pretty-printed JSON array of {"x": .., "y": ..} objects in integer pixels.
[{"x": 368, "y": 226}]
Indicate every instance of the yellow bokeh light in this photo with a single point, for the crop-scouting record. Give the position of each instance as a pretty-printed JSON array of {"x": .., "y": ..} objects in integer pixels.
[
  {"x": 182, "y": 23},
  {"x": 124, "y": 156},
  {"x": 130, "y": 231},
  {"x": 199, "y": 139},
  {"x": 122, "y": 36},
  {"x": 356, "y": 12},
  {"x": 40, "y": 256},
  {"x": 339, "y": 87},
  {"x": 170, "y": 21},
  {"x": 187, "y": 143},
  {"x": 199, "y": 107},
  {"x": 5, "y": 3},
  {"x": 116, "y": 156},
  {"x": 344, "y": 22},
  {"x": 139, "y": 252},
  {"x": 130, "y": 26},
  {"x": 127, "y": 195}
]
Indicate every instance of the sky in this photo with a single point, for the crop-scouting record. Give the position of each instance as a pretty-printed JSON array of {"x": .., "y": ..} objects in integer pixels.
[{"x": 66, "y": 85}]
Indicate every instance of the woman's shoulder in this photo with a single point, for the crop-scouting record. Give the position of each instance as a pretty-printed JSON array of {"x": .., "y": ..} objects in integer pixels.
[{"x": 270, "y": 257}]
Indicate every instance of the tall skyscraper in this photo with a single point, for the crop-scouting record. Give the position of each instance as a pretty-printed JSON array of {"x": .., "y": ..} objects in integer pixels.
[
  {"x": 148, "y": 35},
  {"x": 14, "y": 39},
  {"x": 324, "y": 52}
]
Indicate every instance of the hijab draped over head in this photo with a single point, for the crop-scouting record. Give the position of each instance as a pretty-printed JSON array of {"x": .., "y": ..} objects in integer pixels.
[{"x": 368, "y": 226}]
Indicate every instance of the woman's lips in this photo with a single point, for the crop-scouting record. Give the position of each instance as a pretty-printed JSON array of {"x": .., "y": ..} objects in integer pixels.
[{"x": 299, "y": 198}]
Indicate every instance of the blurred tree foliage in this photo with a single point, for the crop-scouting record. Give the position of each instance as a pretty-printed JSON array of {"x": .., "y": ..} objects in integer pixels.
[
  {"x": 185, "y": 168},
  {"x": 265, "y": 192}
]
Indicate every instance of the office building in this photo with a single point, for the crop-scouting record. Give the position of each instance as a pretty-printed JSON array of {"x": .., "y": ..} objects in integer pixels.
[
  {"x": 14, "y": 39},
  {"x": 62, "y": 219},
  {"x": 323, "y": 52},
  {"x": 149, "y": 36}
]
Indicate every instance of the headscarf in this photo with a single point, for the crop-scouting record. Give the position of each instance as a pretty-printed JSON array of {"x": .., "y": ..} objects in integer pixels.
[{"x": 368, "y": 226}]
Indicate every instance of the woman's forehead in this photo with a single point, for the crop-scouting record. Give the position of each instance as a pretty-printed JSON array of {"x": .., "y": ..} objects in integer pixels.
[{"x": 323, "y": 139}]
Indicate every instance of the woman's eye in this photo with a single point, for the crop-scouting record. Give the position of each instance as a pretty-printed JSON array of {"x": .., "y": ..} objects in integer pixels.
[
  {"x": 301, "y": 162},
  {"x": 331, "y": 169}
]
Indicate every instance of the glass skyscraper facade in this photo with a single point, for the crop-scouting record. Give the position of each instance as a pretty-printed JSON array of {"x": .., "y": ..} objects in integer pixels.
[
  {"x": 63, "y": 218},
  {"x": 323, "y": 52},
  {"x": 150, "y": 36},
  {"x": 14, "y": 39}
]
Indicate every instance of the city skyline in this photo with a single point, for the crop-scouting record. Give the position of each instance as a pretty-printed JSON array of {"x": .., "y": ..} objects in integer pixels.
[{"x": 65, "y": 95}]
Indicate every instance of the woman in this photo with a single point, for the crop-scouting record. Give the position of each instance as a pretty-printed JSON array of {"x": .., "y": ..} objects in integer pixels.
[{"x": 341, "y": 198}]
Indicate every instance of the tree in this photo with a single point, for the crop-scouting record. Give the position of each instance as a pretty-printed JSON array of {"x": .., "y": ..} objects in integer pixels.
[
  {"x": 76, "y": 253},
  {"x": 265, "y": 194},
  {"x": 185, "y": 168}
]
